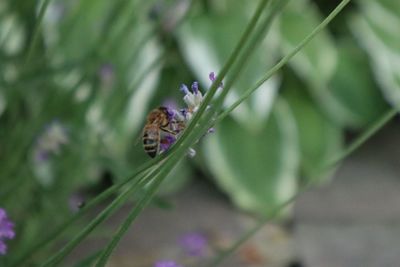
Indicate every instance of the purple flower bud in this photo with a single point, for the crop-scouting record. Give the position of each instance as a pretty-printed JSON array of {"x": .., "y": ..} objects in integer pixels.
[
  {"x": 195, "y": 87},
  {"x": 6, "y": 231},
  {"x": 170, "y": 113},
  {"x": 194, "y": 244},
  {"x": 166, "y": 263},
  {"x": 211, "y": 76},
  {"x": 184, "y": 89}
]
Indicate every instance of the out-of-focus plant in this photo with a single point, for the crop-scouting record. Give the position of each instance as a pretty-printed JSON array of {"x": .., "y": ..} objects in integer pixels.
[{"x": 77, "y": 79}]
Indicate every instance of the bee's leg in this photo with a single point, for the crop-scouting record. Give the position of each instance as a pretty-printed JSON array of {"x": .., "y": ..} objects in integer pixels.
[{"x": 172, "y": 132}]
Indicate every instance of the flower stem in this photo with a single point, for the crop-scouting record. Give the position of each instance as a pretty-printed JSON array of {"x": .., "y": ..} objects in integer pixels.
[
  {"x": 285, "y": 59},
  {"x": 37, "y": 28}
]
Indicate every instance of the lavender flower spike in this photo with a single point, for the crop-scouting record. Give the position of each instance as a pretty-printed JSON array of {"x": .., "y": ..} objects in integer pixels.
[
  {"x": 195, "y": 87},
  {"x": 185, "y": 89},
  {"x": 166, "y": 263},
  {"x": 6, "y": 231}
]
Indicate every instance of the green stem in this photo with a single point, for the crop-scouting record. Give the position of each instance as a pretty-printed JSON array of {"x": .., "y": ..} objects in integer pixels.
[
  {"x": 36, "y": 31},
  {"x": 232, "y": 59},
  {"x": 364, "y": 137},
  {"x": 285, "y": 59},
  {"x": 40, "y": 244},
  {"x": 106, "y": 213},
  {"x": 276, "y": 8},
  {"x": 156, "y": 182},
  {"x": 357, "y": 143}
]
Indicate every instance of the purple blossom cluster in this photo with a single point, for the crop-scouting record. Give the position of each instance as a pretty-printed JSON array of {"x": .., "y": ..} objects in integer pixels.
[
  {"x": 193, "y": 99},
  {"x": 6, "y": 231}
]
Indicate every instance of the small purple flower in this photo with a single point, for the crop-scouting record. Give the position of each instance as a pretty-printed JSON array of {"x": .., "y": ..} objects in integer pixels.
[
  {"x": 195, "y": 88},
  {"x": 166, "y": 263},
  {"x": 171, "y": 113},
  {"x": 192, "y": 100},
  {"x": 194, "y": 244},
  {"x": 212, "y": 78},
  {"x": 6, "y": 231},
  {"x": 185, "y": 89},
  {"x": 166, "y": 142}
]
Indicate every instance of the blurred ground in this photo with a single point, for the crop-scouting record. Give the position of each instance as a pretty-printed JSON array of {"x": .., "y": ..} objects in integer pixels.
[
  {"x": 355, "y": 220},
  {"x": 352, "y": 221}
]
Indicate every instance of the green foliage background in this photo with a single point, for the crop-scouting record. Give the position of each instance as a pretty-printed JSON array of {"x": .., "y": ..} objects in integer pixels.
[{"x": 98, "y": 67}]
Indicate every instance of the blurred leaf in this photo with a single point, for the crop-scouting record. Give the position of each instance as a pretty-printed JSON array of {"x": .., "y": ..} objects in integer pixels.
[
  {"x": 354, "y": 85},
  {"x": 377, "y": 31},
  {"x": 320, "y": 140},
  {"x": 12, "y": 35},
  {"x": 317, "y": 62},
  {"x": 207, "y": 39},
  {"x": 257, "y": 169}
]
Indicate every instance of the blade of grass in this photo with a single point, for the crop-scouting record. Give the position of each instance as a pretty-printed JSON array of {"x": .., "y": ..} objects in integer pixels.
[
  {"x": 204, "y": 122},
  {"x": 36, "y": 30},
  {"x": 94, "y": 202},
  {"x": 156, "y": 182},
  {"x": 239, "y": 66},
  {"x": 285, "y": 59},
  {"x": 106, "y": 213},
  {"x": 181, "y": 150},
  {"x": 276, "y": 8},
  {"x": 231, "y": 60},
  {"x": 387, "y": 116}
]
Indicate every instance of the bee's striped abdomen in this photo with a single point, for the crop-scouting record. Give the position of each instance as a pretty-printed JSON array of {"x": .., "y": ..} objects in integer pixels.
[{"x": 151, "y": 141}]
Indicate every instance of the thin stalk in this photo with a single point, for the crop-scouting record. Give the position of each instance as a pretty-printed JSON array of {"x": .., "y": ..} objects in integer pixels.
[
  {"x": 356, "y": 144},
  {"x": 207, "y": 119},
  {"x": 285, "y": 59},
  {"x": 155, "y": 184},
  {"x": 262, "y": 31},
  {"x": 36, "y": 31},
  {"x": 94, "y": 202},
  {"x": 232, "y": 59},
  {"x": 310, "y": 183},
  {"x": 387, "y": 116},
  {"x": 106, "y": 213}
]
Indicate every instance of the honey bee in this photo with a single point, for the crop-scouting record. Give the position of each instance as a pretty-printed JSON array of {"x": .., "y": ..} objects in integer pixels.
[{"x": 159, "y": 122}]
